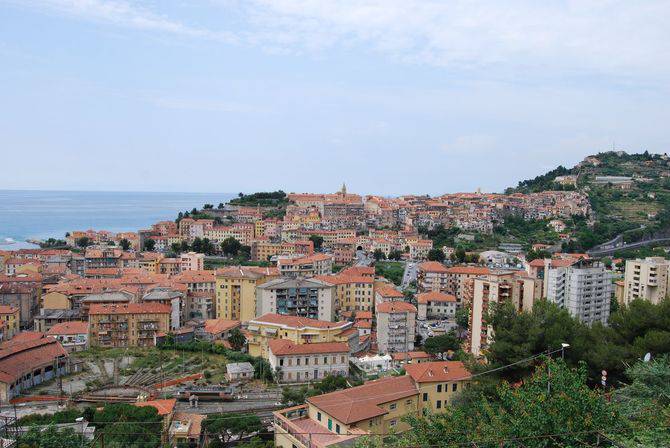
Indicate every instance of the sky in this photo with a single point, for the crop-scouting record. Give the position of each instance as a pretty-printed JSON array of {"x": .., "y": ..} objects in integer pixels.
[{"x": 390, "y": 96}]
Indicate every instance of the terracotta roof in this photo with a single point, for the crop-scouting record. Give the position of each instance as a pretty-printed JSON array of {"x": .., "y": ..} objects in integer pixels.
[
  {"x": 469, "y": 270},
  {"x": 281, "y": 347},
  {"x": 363, "y": 402},
  {"x": 195, "y": 421},
  {"x": 401, "y": 356},
  {"x": 434, "y": 296},
  {"x": 206, "y": 276},
  {"x": 24, "y": 336},
  {"x": 72, "y": 327},
  {"x": 130, "y": 308},
  {"x": 432, "y": 266},
  {"x": 363, "y": 324},
  {"x": 563, "y": 262},
  {"x": 296, "y": 321},
  {"x": 427, "y": 372},
  {"x": 343, "y": 279},
  {"x": 22, "y": 357},
  {"x": 253, "y": 272},
  {"x": 303, "y": 260},
  {"x": 7, "y": 309},
  {"x": 359, "y": 271},
  {"x": 215, "y": 326},
  {"x": 537, "y": 263},
  {"x": 396, "y": 307},
  {"x": 164, "y": 407},
  {"x": 388, "y": 291}
]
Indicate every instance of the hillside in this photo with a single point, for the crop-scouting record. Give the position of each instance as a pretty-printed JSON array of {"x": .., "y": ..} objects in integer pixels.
[{"x": 628, "y": 193}]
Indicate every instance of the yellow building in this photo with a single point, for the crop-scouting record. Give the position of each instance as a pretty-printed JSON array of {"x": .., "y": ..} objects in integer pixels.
[
  {"x": 9, "y": 321},
  {"x": 150, "y": 262},
  {"x": 236, "y": 290},
  {"x": 352, "y": 292},
  {"x": 375, "y": 408},
  {"x": 299, "y": 330},
  {"x": 438, "y": 382}
]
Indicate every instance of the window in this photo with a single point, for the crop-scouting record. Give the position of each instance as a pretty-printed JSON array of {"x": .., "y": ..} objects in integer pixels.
[
  {"x": 325, "y": 360},
  {"x": 392, "y": 406},
  {"x": 297, "y": 362},
  {"x": 393, "y": 422},
  {"x": 281, "y": 362},
  {"x": 439, "y": 388},
  {"x": 337, "y": 428},
  {"x": 408, "y": 402},
  {"x": 425, "y": 396},
  {"x": 438, "y": 404},
  {"x": 330, "y": 424},
  {"x": 318, "y": 416},
  {"x": 454, "y": 387}
]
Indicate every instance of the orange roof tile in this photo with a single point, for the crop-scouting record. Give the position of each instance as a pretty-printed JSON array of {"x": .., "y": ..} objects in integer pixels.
[
  {"x": 296, "y": 321},
  {"x": 432, "y": 266},
  {"x": 435, "y": 371},
  {"x": 164, "y": 407},
  {"x": 72, "y": 327},
  {"x": 215, "y": 326},
  {"x": 434, "y": 296},
  {"x": 280, "y": 347},
  {"x": 396, "y": 307}
]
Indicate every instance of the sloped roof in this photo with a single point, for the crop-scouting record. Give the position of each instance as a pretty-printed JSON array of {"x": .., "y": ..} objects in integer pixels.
[
  {"x": 281, "y": 347},
  {"x": 434, "y": 296},
  {"x": 436, "y": 371}
]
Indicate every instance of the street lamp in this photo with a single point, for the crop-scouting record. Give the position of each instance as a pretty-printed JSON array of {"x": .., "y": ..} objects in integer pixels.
[{"x": 564, "y": 345}]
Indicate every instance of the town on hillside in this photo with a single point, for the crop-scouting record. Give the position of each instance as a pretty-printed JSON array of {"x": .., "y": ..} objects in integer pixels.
[{"x": 307, "y": 320}]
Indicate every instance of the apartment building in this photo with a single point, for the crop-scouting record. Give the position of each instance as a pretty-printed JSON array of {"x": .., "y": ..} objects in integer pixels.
[
  {"x": 263, "y": 250},
  {"x": 298, "y": 330},
  {"x": 646, "y": 280},
  {"x": 301, "y": 297},
  {"x": 375, "y": 408},
  {"x": 191, "y": 261},
  {"x": 432, "y": 276},
  {"x": 435, "y": 305},
  {"x": 127, "y": 325},
  {"x": 583, "y": 288},
  {"x": 302, "y": 363},
  {"x": 387, "y": 293},
  {"x": 353, "y": 292},
  {"x": 236, "y": 290},
  {"x": 305, "y": 266},
  {"x": 396, "y": 327},
  {"x": 497, "y": 287},
  {"x": 457, "y": 279}
]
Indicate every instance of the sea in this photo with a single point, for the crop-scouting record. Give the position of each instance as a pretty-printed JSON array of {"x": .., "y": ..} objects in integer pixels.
[{"x": 37, "y": 215}]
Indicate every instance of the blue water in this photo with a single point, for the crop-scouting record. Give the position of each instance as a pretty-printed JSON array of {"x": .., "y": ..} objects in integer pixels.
[{"x": 43, "y": 214}]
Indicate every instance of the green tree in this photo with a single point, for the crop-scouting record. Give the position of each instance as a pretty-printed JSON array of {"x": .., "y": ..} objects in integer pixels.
[
  {"x": 84, "y": 241},
  {"x": 237, "y": 339},
  {"x": 395, "y": 255},
  {"x": 378, "y": 254},
  {"x": 124, "y": 243},
  {"x": 125, "y": 425},
  {"x": 225, "y": 427},
  {"x": 317, "y": 241},
  {"x": 149, "y": 244},
  {"x": 554, "y": 400},
  {"x": 51, "y": 437},
  {"x": 535, "y": 254},
  {"x": 230, "y": 246},
  {"x": 463, "y": 317},
  {"x": 436, "y": 255},
  {"x": 437, "y": 345}
]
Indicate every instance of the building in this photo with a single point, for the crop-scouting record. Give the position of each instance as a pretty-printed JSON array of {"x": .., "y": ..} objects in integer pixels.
[
  {"x": 22, "y": 291},
  {"x": 236, "y": 290},
  {"x": 127, "y": 325},
  {"x": 457, "y": 279},
  {"x": 354, "y": 292},
  {"x": 301, "y": 363},
  {"x": 438, "y": 382},
  {"x": 432, "y": 276},
  {"x": 401, "y": 359},
  {"x": 73, "y": 335},
  {"x": 186, "y": 430},
  {"x": 219, "y": 329},
  {"x": 387, "y": 293},
  {"x": 239, "y": 371},
  {"x": 29, "y": 363},
  {"x": 305, "y": 266},
  {"x": 374, "y": 408},
  {"x": 646, "y": 280},
  {"x": 396, "y": 327},
  {"x": 299, "y": 330},
  {"x": 583, "y": 288},
  {"x": 496, "y": 287},
  {"x": 435, "y": 305},
  {"x": 9, "y": 321},
  {"x": 297, "y": 297},
  {"x": 191, "y": 261}
]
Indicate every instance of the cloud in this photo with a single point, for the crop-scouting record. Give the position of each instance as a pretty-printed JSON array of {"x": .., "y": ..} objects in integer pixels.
[
  {"x": 613, "y": 37},
  {"x": 124, "y": 14}
]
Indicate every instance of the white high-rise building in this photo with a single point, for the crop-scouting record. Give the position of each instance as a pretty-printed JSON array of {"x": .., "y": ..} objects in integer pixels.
[{"x": 584, "y": 289}]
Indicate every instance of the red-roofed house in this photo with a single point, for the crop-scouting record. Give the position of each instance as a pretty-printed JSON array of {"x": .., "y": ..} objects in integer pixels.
[
  {"x": 300, "y": 363},
  {"x": 72, "y": 335},
  {"x": 438, "y": 382},
  {"x": 435, "y": 305}
]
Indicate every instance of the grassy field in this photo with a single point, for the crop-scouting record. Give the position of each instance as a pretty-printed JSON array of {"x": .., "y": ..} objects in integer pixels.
[{"x": 391, "y": 270}]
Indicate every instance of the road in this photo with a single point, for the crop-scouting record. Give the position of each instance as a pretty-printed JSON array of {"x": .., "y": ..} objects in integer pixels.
[
  {"x": 362, "y": 259},
  {"x": 411, "y": 271},
  {"x": 611, "y": 250}
]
